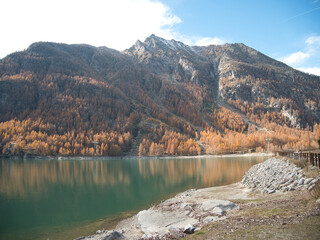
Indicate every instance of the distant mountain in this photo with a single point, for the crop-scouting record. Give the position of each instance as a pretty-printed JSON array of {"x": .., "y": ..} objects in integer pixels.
[
  {"x": 154, "y": 89},
  {"x": 233, "y": 72}
]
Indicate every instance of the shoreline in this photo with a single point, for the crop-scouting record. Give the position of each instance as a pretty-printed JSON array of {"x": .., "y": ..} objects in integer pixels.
[{"x": 81, "y": 158}]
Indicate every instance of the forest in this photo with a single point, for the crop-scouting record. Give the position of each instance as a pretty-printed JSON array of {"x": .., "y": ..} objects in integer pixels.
[
  {"x": 30, "y": 137},
  {"x": 79, "y": 100}
]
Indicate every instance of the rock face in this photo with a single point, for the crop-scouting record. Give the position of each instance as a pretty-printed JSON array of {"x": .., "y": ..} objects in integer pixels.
[
  {"x": 233, "y": 72},
  {"x": 276, "y": 175}
]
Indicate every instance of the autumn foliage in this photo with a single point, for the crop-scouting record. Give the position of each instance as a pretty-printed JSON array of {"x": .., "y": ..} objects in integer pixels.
[
  {"x": 169, "y": 143},
  {"x": 36, "y": 138}
]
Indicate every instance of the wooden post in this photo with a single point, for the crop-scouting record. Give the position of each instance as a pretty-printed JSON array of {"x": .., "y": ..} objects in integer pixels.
[{"x": 311, "y": 158}]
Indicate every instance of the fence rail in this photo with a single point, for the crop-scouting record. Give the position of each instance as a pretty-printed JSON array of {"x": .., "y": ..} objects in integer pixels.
[{"x": 312, "y": 157}]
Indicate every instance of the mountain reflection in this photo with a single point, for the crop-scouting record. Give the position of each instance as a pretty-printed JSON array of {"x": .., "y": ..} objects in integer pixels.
[{"x": 32, "y": 177}]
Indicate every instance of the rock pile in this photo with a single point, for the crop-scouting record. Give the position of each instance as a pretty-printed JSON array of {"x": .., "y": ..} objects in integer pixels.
[{"x": 277, "y": 175}]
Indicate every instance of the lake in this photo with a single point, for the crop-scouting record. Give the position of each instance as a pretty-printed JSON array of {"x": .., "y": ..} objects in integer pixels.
[{"x": 64, "y": 199}]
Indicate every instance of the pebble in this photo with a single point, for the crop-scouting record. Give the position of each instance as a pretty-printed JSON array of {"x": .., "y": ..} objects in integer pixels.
[{"x": 276, "y": 175}]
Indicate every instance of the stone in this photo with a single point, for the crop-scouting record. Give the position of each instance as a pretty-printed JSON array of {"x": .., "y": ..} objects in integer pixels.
[
  {"x": 311, "y": 187},
  {"x": 154, "y": 221},
  {"x": 210, "y": 219},
  {"x": 146, "y": 236},
  {"x": 98, "y": 232},
  {"x": 183, "y": 205},
  {"x": 275, "y": 174},
  {"x": 217, "y": 211},
  {"x": 307, "y": 181},
  {"x": 314, "y": 181},
  {"x": 285, "y": 189},
  {"x": 189, "y": 229},
  {"x": 271, "y": 191},
  {"x": 301, "y": 181},
  {"x": 224, "y": 205},
  {"x": 114, "y": 235}
]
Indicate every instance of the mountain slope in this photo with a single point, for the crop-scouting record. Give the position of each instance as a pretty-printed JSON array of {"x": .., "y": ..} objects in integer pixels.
[
  {"x": 154, "y": 97},
  {"x": 235, "y": 72}
]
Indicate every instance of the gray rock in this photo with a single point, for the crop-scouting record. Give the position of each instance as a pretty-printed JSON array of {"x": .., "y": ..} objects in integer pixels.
[
  {"x": 114, "y": 235},
  {"x": 210, "y": 219},
  {"x": 301, "y": 181},
  {"x": 222, "y": 204},
  {"x": 217, "y": 211},
  {"x": 275, "y": 174},
  {"x": 271, "y": 191},
  {"x": 183, "y": 205},
  {"x": 189, "y": 229},
  {"x": 146, "y": 236},
  {"x": 307, "y": 181},
  {"x": 314, "y": 181},
  {"x": 311, "y": 187}
]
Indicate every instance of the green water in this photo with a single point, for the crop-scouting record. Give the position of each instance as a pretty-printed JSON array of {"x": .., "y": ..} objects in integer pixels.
[{"x": 40, "y": 197}]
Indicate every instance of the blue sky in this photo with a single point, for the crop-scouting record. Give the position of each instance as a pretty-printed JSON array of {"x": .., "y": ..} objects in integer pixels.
[{"x": 288, "y": 30}]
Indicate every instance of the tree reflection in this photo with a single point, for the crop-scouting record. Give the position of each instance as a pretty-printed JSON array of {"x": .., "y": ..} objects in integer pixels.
[{"x": 19, "y": 178}]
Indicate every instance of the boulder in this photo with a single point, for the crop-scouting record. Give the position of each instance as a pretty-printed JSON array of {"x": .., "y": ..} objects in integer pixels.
[
  {"x": 224, "y": 205},
  {"x": 113, "y": 235},
  {"x": 189, "y": 229},
  {"x": 217, "y": 211},
  {"x": 210, "y": 219},
  {"x": 155, "y": 221}
]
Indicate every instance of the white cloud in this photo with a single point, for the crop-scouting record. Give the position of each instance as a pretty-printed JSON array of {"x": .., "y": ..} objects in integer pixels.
[
  {"x": 295, "y": 58},
  {"x": 307, "y": 59},
  {"x": 113, "y": 23},
  {"x": 313, "y": 40},
  {"x": 209, "y": 41},
  {"x": 311, "y": 70}
]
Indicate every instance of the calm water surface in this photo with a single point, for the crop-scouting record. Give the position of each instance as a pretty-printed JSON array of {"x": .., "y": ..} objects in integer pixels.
[{"x": 40, "y": 196}]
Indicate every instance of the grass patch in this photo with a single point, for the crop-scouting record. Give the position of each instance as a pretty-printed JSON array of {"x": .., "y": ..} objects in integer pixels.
[
  {"x": 308, "y": 229},
  {"x": 242, "y": 201},
  {"x": 201, "y": 232},
  {"x": 266, "y": 212}
]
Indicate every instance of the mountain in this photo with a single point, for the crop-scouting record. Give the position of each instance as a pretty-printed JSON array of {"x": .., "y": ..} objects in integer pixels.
[
  {"x": 155, "y": 97},
  {"x": 233, "y": 72}
]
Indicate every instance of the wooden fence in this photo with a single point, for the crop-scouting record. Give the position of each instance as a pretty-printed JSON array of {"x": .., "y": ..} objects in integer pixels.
[{"x": 312, "y": 157}]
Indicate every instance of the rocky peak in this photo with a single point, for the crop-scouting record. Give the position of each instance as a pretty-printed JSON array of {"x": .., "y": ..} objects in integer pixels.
[{"x": 154, "y": 43}]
